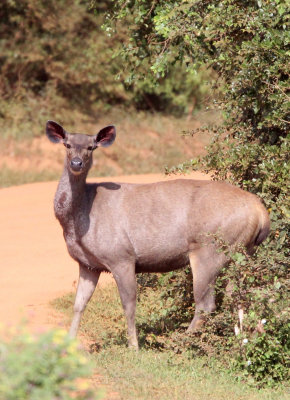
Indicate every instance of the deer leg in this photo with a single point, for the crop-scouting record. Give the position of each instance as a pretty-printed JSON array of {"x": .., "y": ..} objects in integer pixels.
[
  {"x": 88, "y": 280},
  {"x": 205, "y": 264},
  {"x": 127, "y": 286}
]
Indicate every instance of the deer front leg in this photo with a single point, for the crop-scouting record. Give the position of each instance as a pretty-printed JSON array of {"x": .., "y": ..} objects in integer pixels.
[
  {"x": 88, "y": 280},
  {"x": 127, "y": 286}
]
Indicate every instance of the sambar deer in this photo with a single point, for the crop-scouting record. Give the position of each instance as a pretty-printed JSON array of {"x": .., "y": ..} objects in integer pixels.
[{"x": 130, "y": 228}]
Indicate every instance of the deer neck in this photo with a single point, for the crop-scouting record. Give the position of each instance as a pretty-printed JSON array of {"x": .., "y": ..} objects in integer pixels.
[{"x": 70, "y": 195}]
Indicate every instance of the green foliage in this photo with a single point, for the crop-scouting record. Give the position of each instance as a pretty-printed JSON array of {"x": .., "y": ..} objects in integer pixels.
[
  {"x": 250, "y": 56},
  {"x": 165, "y": 302},
  {"x": 255, "y": 303},
  {"x": 264, "y": 356},
  {"x": 245, "y": 42},
  {"x": 47, "y": 367}
]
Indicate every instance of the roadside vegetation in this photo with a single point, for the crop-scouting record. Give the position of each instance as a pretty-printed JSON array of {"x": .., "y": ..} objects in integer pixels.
[{"x": 50, "y": 366}]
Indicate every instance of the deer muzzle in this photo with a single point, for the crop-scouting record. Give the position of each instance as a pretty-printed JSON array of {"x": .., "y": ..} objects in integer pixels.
[{"x": 76, "y": 164}]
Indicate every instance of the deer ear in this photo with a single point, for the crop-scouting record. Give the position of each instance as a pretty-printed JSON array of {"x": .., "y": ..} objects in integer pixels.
[
  {"x": 105, "y": 137},
  {"x": 55, "y": 132}
]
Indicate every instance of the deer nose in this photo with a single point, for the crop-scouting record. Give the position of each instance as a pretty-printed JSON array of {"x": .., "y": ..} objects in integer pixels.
[{"x": 76, "y": 164}]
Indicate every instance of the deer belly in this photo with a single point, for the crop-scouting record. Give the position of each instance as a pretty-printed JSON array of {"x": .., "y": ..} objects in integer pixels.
[
  {"x": 163, "y": 265},
  {"x": 161, "y": 255}
]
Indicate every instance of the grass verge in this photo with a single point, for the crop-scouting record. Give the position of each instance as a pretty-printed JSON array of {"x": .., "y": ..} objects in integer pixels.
[
  {"x": 152, "y": 374},
  {"x": 12, "y": 177}
]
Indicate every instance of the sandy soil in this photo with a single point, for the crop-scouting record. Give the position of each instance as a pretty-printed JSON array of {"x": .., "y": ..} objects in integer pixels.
[{"x": 35, "y": 266}]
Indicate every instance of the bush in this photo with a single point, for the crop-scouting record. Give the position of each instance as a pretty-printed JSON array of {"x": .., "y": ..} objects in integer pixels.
[{"x": 47, "y": 367}]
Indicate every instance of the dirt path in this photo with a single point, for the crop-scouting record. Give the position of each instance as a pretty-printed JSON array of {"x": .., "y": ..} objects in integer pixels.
[{"x": 35, "y": 267}]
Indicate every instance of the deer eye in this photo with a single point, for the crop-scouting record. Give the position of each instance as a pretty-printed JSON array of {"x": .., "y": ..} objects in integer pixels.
[
  {"x": 67, "y": 145},
  {"x": 90, "y": 148}
]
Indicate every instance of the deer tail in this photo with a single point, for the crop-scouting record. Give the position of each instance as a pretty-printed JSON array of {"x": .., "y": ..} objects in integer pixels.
[{"x": 264, "y": 227}]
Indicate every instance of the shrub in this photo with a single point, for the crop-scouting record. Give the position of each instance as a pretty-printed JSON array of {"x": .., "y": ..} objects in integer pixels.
[{"x": 47, "y": 367}]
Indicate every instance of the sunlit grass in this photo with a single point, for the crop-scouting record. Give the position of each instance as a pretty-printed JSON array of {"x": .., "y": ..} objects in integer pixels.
[
  {"x": 152, "y": 374},
  {"x": 12, "y": 177}
]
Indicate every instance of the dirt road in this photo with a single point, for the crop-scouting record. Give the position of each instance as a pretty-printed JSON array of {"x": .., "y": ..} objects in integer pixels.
[{"x": 35, "y": 267}]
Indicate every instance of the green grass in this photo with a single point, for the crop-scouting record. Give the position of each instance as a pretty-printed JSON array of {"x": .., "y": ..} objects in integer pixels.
[
  {"x": 152, "y": 374},
  {"x": 12, "y": 177}
]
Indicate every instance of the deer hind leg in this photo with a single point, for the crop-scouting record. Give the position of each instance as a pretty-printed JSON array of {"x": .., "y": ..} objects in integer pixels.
[
  {"x": 205, "y": 264},
  {"x": 88, "y": 280}
]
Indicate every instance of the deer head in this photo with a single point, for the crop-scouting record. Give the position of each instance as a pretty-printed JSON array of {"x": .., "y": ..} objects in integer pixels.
[{"x": 80, "y": 147}]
